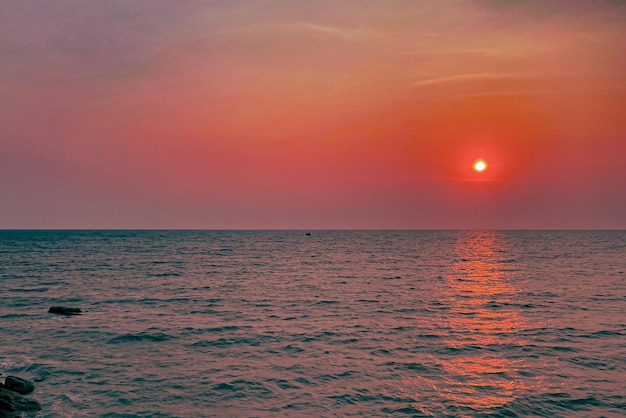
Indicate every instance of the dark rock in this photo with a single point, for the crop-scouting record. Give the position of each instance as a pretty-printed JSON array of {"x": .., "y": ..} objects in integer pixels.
[
  {"x": 12, "y": 404},
  {"x": 19, "y": 385},
  {"x": 64, "y": 310}
]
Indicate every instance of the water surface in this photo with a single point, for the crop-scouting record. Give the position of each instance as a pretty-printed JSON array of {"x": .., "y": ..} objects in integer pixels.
[{"x": 339, "y": 323}]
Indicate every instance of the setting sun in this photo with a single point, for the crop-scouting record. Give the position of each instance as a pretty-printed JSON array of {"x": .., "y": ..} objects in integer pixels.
[{"x": 480, "y": 165}]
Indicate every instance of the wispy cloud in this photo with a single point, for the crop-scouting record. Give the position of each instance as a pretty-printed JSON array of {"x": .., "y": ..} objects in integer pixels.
[
  {"x": 459, "y": 78},
  {"x": 339, "y": 32}
]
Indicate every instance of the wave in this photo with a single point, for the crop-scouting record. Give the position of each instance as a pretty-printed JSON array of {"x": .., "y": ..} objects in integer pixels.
[
  {"x": 242, "y": 389},
  {"x": 558, "y": 405},
  {"x": 14, "y": 316},
  {"x": 216, "y": 330},
  {"x": 140, "y": 337},
  {"x": 28, "y": 290},
  {"x": 235, "y": 341}
]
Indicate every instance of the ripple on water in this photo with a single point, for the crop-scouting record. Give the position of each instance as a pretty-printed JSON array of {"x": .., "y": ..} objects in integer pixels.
[
  {"x": 140, "y": 337},
  {"x": 242, "y": 323}
]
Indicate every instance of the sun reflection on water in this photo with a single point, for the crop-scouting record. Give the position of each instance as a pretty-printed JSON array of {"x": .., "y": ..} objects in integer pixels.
[
  {"x": 483, "y": 321},
  {"x": 479, "y": 363}
]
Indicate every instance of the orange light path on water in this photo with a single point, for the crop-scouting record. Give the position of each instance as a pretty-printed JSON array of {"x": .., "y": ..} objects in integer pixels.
[{"x": 481, "y": 297}]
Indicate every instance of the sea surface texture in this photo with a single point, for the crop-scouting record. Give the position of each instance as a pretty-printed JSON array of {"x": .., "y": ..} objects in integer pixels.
[{"x": 336, "y": 323}]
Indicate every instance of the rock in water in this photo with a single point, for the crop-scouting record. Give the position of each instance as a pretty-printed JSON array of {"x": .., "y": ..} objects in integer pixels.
[
  {"x": 64, "y": 310},
  {"x": 12, "y": 403},
  {"x": 19, "y": 385}
]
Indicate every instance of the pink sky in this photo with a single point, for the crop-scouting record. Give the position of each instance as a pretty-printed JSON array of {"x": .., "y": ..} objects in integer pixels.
[{"x": 312, "y": 114}]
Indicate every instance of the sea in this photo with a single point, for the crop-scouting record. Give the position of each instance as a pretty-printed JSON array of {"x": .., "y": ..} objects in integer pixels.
[{"x": 317, "y": 324}]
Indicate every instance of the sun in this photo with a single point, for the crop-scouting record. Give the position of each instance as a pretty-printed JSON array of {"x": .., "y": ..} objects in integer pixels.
[{"x": 480, "y": 165}]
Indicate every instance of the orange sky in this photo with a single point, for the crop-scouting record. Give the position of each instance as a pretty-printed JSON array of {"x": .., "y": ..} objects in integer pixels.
[{"x": 312, "y": 114}]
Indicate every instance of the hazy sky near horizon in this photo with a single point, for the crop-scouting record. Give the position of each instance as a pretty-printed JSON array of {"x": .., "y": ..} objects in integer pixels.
[{"x": 312, "y": 114}]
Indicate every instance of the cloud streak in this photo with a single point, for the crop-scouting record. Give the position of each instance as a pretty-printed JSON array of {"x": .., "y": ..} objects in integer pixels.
[{"x": 460, "y": 78}]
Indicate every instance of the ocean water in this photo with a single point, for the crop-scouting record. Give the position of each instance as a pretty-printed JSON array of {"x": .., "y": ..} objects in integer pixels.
[{"x": 338, "y": 323}]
